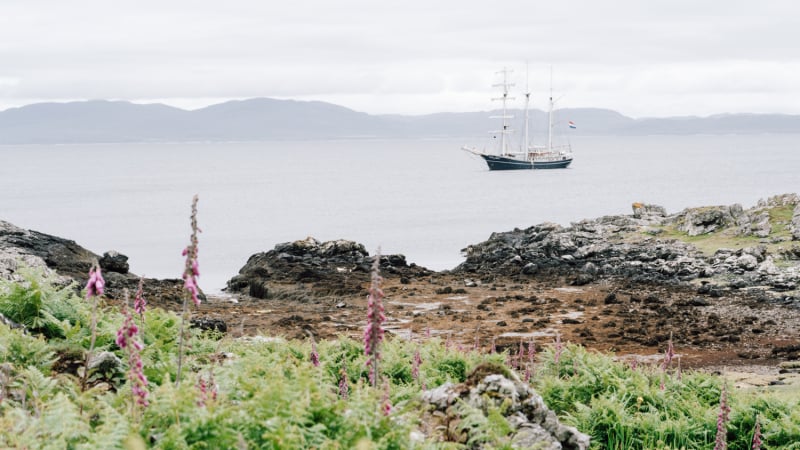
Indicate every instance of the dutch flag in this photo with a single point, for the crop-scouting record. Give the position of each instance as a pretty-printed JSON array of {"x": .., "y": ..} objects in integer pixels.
[{"x": 572, "y": 124}]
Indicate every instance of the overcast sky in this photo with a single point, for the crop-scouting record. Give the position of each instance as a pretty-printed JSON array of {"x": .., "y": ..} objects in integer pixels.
[{"x": 643, "y": 58}]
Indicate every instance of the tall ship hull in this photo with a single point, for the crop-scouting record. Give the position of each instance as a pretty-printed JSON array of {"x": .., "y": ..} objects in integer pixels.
[
  {"x": 558, "y": 164},
  {"x": 508, "y": 163}
]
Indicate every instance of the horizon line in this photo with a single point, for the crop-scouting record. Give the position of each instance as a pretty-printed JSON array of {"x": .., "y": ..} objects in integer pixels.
[{"x": 146, "y": 102}]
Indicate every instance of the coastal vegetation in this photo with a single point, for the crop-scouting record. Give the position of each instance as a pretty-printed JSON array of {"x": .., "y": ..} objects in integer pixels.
[
  {"x": 267, "y": 392},
  {"x": 731, "y": 236},
  {"x": 88, "y": 369}
]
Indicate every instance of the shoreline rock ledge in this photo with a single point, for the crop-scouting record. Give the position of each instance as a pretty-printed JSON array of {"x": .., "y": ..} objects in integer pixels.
[
  {"x": 727, "y": 245},
  {"x": 309, "y": 267},
  {"x": 69, "y": 262}
]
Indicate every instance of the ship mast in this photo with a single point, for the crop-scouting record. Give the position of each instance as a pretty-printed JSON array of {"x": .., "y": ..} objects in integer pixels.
[
  {"x": 550, "y": 115},
  {"x": 506, "y": 129},
  {"x": 527, "y": 102}
]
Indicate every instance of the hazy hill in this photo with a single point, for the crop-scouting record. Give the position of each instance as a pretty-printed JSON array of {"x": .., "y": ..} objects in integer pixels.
[{"x": 268, "y": 119}]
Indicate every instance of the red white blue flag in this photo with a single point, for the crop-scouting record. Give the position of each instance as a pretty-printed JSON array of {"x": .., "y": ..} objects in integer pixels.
[{"x": 572, "y": 124}]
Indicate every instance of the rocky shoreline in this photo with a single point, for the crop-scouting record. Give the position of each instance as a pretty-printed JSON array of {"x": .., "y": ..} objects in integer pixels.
[
  {"x": 757, "y": 248},
  {"x": 721, "y": 279},
  {"x": 22, "y": 249}
]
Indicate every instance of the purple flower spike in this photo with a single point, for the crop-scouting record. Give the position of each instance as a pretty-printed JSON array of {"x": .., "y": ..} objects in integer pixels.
[
  {"x": 531, "y": 352},
  {"x": 387, "y": 404},
  {"x": 415, "y": 365},
  {"x": 139, "y": 303},
  {"x": 373, "y": 332},
  {"x": 722, "y": 420},
  {"x": 559, "y": 347},
  {"x": 207, "y": 389},
  {"x": 126, "y": 340},
  {"x": 191, "y": 271},
  {"x": 314, "y": 354},
  {"x": 96, "y": 283},
  {"x": 757, "y": 436},
  {"x": 344, "y": 387},
  {"x": 669, "y": 354}
]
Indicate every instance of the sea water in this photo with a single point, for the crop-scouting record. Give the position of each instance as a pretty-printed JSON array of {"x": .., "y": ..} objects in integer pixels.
[{"x": 423, "y": 198}]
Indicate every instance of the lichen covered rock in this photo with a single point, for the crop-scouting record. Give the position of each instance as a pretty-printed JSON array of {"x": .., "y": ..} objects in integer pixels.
[{"x": 492, "y": 390}]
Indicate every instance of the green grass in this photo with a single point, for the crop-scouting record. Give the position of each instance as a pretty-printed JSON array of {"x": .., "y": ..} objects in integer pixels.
[
  {"x": 780, "y": 217},
  {"x": 270, "y": 396},
  {"x": 709, "y": 243}
]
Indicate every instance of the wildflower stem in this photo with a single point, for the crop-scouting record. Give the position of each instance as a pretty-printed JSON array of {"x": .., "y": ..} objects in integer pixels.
[
  {"x": 94, "y": 289},
  {"x": 373, "y": 333},
  {"x": 190, "y": 275},
  {"x": 85, "y": 377},
  {"x": 180, "y": 341}
]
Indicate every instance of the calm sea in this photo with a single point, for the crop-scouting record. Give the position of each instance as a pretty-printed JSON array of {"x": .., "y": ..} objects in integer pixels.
[{"x": 423, "y": 198}]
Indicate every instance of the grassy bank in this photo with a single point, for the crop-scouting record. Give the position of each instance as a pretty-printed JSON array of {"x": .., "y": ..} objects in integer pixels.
[{"x": 266, "y": 392}]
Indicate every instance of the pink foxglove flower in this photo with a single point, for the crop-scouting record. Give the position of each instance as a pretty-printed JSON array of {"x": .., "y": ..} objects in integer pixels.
[
  {"x": 191, "y": 271},
  {"x": 373, "y": 333},
  {"x": 139, "y": 303},
  {"x": 387, "y": 403},
  {"x": 314, "y": 354},
  {"x": 344, "y": 387},
  {"x": 207, "y": 388},
  {"x": 527, "y": 373},
  {"x": 757, "y": 436},
  {"x": 126, "y": 340},
  {"x": 190, "y": 274},
  {"x": 96, "y": 283},
  {"x": 94, "y": 288},
  {"x": 531, "y": 351},
  {"x": 669, "y": 354},
  {"x": 559, "y": 347},
  {"x": 721, "y": 442},
  {"x": 415, "y": 364}
]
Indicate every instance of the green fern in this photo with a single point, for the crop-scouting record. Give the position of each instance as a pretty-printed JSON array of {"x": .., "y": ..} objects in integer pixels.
[{"x": 38, "y": 304}]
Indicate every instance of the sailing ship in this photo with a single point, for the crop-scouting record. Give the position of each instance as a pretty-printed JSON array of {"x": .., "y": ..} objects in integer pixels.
[{"x": 529, "y": 156}]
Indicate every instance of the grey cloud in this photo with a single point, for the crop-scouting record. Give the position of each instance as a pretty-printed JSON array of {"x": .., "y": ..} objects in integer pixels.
[{"x": 625, "y": 51}]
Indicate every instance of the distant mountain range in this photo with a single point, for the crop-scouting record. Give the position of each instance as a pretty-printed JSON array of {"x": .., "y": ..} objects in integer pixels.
[{"x": 270, "y": 119}]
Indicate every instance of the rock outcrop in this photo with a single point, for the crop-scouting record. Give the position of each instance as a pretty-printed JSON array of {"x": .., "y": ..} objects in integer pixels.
[
  {"x": 68, "y": 261},
  {"x": 592, "y": 248},
  {"x": 113, "y": 261},
  {"x": 322, "y": 268},
  {"x": 38, "y": 250},
  {"x": 795, "y": 226},
  {"x": 531, "y": 423},
  {"x": 635, "y": 247},
  {"x": 697, "y": 221}
]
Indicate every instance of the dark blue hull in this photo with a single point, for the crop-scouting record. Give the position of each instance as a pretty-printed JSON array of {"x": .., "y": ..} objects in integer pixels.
[
  {"x": 505, "y": 163},
  {"x": 558, "y": 164}
]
